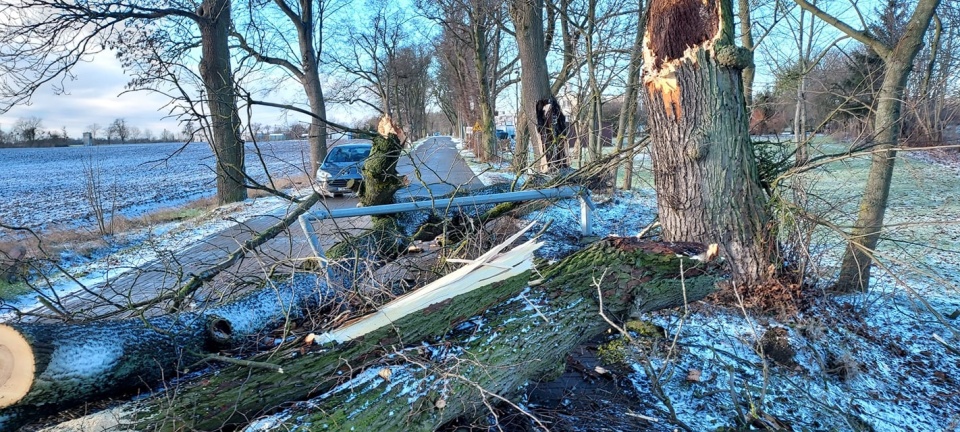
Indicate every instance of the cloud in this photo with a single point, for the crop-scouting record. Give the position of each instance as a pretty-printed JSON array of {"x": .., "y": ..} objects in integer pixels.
[{"x": 94, "y": 95}]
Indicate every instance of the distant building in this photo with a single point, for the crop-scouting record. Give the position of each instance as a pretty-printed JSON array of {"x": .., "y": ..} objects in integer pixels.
[
  {"x": 277, "y": 137},
  {"x": 87, "y": 139},
  {"x": 340, "y": 136}
]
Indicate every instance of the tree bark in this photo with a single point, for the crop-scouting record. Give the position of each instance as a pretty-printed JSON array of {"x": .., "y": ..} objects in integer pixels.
[
  {"x": 746, "y": 41},
  {"x": 626, "y": 125},
  {"x": 217, "y": 75},
  {"x": 855, "y": 265},
  {"x": 306, "y": 28},
  {"x": 552, "y": 318},
  {"x": 527, "y": 16},
  {"x": 704, "y": 168},
  {"x": 487, "y": 148},
  {"x": 381, "y": 182},
  {"x": 59, "y": 365},
  {"x": 464, "y": 372}
]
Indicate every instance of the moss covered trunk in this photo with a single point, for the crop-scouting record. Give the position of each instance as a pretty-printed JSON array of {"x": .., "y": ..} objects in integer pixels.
[
  {"x": 48, "y": 367},
  {"x": 380, "y": 177},
  {"x": 496, "y": 354},
  {"x": 431, "y": 366},
  {"x": 380, "y": 183}
]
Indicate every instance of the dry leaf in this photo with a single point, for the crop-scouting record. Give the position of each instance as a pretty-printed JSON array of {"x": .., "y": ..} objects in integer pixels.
[
  {"x": 693, "y": 375},
  {"x": 309, "y": 339},
  {"x": 441, "y": 403},
  {"x": 601, "y": 370},
  {"x": 385, "y": 374}
]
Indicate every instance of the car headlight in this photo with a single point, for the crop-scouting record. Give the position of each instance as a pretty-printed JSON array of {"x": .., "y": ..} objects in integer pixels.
[{"x": 323, "y": 175}]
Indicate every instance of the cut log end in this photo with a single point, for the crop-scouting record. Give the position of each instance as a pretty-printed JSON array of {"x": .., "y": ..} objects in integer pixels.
[
  {"x": 219, "y": 332},
  {"x": 17, "y": 366}
]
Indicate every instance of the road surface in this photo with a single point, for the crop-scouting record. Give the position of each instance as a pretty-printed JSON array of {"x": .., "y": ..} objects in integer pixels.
[{"x": 433, "y": 167}]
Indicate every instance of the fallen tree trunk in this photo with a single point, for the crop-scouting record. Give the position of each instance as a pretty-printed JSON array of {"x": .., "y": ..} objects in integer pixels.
[
  {"x": 521, "y": 337},
  {"x": 521, "y": 340},
  {"x": 52, "y": 366}
]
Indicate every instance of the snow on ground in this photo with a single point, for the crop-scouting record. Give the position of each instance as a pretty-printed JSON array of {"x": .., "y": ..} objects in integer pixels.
[
  {"x": 488, "y": 172},
  {"x": 860, "y": 362},
  {"x": 129, "y": 251},
  {"x": 857, "y": 362},
  {"x": 864, "y": 362},
  {"x": 46, "y": 187}
]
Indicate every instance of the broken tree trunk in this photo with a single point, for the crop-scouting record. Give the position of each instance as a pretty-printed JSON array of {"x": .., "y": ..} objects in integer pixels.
[
  {"x": 496, "y": 355},
  {"x": 380, "y": 178},
  {"x": 705, "y": 172},
  {"x": 523, "y": 335},
  {"x": 51, "y": 366},
  {"x": 381, "y": 181}
]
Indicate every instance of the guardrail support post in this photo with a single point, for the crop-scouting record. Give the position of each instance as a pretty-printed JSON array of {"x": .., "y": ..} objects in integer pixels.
[{"x": 586, "y": 214}]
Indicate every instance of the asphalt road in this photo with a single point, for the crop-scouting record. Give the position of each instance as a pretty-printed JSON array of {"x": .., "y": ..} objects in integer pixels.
[{"x": 434, "y": 167}]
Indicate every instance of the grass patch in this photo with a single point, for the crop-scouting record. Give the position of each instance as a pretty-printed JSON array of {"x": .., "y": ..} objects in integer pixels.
[
  {"x": 18, "y": 247},
  {"x": 39, "y": 248},
  {"x": 293, "y": 182},
  {"x": 10, "y": 291}
]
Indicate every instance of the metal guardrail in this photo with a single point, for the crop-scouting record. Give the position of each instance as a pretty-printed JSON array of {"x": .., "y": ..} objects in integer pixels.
[{"x": 586, "y": 208}]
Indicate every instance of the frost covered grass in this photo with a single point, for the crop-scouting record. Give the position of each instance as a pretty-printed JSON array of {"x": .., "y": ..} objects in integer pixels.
[
  {"x": 77, "y": 268},
  {"x": 164, "y": 203},
  {"x": 859, "y": 362},
  {"x": 44, "y": 188},
  {"x": 488, "y": 172}
]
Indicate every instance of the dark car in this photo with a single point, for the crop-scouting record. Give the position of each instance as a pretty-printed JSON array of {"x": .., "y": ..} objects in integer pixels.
[
  {"x": 502, "y": 134},
  {"x": 340, "y": 171}
]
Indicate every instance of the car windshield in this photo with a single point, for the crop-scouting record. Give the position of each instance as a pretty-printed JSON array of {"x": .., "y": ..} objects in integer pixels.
[{"x": 348, "y": 154}]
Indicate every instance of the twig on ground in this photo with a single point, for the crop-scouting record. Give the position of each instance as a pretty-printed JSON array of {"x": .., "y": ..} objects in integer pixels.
[
  {"x": 247, "y": 363},
  {"x": 937, "y": 338}
]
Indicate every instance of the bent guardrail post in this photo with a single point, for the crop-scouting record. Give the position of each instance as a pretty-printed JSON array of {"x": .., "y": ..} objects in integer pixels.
[{"x": 586, "y": 208}]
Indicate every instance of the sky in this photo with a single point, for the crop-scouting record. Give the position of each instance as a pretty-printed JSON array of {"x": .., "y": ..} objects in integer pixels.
[
  {"x": 96, "y": 95},
  {"x": 93, "y": 96}
]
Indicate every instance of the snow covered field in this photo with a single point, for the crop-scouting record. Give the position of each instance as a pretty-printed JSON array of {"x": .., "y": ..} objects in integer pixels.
[{"x": 45, "y": 187}]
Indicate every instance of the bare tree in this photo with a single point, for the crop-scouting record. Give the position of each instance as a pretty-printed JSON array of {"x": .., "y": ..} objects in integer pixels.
[
  {"x": 42, "y": 41},
  {"x": 270, "y": 42},
  {"x": 27, "y": 129},
  {"x": 532, "y": 45},
  {"x": 627, "y": 122},
  {"x": 898, "y": 55},
  {"x": 93, "y": 129},
  {"x": 476, "y": 23},
  {"x": 119, "y": 129}
]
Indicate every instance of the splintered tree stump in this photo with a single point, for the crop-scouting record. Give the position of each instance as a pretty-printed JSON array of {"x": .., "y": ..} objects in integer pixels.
[
  {"x": 487, "y": 341},
  {"x": 708, "y": 187},
  {"x": 552, "y": 130},
  {"x": 380, "y": 178}
]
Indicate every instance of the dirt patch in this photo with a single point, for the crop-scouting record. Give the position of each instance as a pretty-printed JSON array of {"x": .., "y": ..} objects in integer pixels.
[
  {"x": 779, "y": 297},
  {"x": 775, "y": 345},
  {"x": 581, "y": 398}
]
